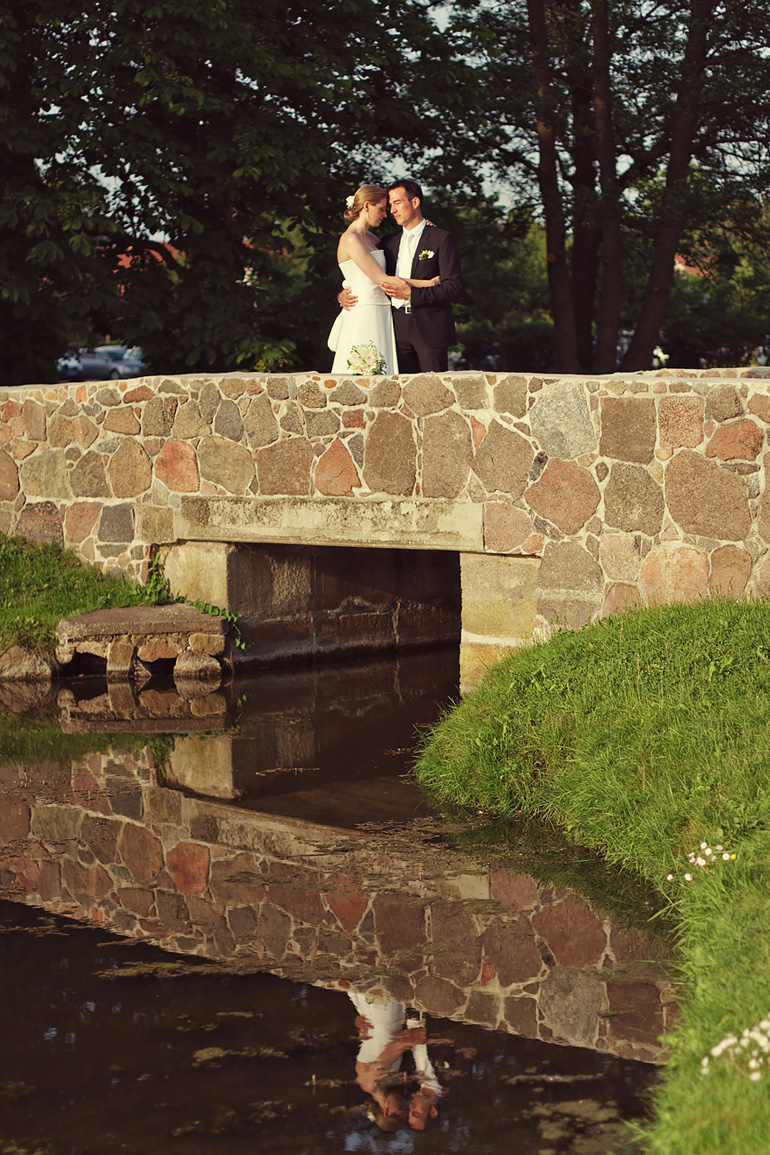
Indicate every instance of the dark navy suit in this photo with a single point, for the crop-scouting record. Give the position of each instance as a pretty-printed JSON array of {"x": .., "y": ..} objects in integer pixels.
[{"x": 424, "y": 334}]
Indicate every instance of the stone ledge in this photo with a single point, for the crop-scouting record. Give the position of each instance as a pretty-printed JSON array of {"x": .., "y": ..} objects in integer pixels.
[
  {"x": 196, "y": 642},
  {"x": 139, "y": 621}
]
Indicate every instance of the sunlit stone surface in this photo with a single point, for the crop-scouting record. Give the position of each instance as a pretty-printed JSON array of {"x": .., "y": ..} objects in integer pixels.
[{"x": 517, "y": 468}]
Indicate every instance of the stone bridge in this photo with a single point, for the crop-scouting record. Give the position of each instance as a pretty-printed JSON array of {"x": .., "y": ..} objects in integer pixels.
[{"x": 498, "y": 505}]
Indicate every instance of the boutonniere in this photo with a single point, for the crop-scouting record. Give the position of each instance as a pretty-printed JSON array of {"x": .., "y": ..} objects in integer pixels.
[{"x": 425, "y": 254}]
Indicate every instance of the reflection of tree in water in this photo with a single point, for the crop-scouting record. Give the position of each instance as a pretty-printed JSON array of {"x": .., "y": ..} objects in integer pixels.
[{"x": 393, "y": 1065}]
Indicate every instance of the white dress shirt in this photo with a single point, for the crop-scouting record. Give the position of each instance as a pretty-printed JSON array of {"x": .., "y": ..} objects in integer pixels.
[{"x": 408, "y": 247}]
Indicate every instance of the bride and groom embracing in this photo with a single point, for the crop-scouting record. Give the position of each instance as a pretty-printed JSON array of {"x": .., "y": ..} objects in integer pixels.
[{"x": 397, "y": 304}]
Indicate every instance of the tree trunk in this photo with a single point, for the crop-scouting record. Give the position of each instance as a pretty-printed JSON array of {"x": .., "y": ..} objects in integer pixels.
[
  {"x": 566, "y": 359},
  {"x": 585, "y": 232},
  {"x": 610, "y": 295},
  {"x": 673, "y": 212}
]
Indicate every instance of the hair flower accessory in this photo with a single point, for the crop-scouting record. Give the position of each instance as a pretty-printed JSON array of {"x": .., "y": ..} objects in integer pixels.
[{"x": 349, "y": 201}]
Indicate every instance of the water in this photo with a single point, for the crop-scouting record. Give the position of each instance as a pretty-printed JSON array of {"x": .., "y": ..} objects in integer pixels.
[{"x": 211, "y": 939}]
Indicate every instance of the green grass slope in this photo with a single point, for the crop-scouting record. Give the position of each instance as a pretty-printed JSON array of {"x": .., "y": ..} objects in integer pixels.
[
  {"x": 643, "y": 738},
  {"x": 41, "y": 583}
]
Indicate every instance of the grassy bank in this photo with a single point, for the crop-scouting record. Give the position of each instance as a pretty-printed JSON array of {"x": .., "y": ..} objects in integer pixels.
[
  {"x": 643, "y": 738},
  {"x": 40, "y": 583}
]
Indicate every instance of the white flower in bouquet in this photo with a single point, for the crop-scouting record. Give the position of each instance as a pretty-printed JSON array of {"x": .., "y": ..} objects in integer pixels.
[{"x": 366, "y": 360}]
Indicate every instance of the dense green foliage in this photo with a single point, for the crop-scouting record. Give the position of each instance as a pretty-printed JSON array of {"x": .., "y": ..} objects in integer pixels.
[
  {"x": 642, "y": 738},
  {"x": 149, "y": 153},
  {"x": 41, "y": 583},
  {"x": 503, "y": 317},
  {"x": 720, "y": 314},
  {"x": 173, "y": 175},
  {"x": 628, "y": 124}
]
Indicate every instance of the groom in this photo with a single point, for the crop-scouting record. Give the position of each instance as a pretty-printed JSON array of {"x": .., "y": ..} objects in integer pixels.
[{"x": 422, "y": 317}]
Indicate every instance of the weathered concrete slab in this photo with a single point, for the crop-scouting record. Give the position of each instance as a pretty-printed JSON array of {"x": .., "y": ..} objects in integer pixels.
[
  {"x": 412, "y": 523},
  {"x": 139, "y": 621},
  {"x": 499, "y": 598}
]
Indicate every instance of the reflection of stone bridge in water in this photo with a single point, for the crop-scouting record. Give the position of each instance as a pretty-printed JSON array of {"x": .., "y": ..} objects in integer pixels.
[{"x": 101, "y": 840}]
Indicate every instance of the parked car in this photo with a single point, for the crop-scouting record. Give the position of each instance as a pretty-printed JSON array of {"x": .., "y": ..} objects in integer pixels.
[
  {"x": 104, "y": 363},
  {"x": 87, "y": 365},
  {"x": 129, "y": 359}
]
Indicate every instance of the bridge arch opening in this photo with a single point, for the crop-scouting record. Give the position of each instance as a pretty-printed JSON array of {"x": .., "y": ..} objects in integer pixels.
[{"x": 323, "y": 602}]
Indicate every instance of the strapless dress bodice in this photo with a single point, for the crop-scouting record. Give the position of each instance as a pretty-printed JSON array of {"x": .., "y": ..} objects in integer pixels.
[
  {"x": 369, "y": 322},
  {"x": 366, "y": 290}
]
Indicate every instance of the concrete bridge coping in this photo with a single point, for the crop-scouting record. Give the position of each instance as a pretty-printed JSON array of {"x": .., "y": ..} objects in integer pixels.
[{"x": 566, "y": 497}]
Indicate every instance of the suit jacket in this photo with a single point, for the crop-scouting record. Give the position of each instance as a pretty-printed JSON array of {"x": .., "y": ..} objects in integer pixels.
[{"x": 431, "y": 307}]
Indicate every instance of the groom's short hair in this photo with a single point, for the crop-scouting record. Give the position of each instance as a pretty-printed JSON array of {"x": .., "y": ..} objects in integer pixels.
[{"x": 410, "y": 187}]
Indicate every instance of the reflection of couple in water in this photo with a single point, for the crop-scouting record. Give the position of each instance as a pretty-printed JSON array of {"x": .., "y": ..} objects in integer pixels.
[{"x": 402, "y": 1091}]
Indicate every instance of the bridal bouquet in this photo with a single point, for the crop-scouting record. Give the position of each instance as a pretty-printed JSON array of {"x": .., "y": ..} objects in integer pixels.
[{"x": 366, "y": 360}]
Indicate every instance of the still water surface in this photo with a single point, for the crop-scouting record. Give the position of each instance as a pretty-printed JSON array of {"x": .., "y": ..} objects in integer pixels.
[{"x": 252, "y": 934}]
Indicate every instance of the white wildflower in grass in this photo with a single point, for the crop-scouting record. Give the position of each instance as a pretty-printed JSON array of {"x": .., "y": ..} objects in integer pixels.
[
  {"x": 366, "y": 360},
  {"x": 754, "y": 1043},
  {"x": 707, "y": 857}
]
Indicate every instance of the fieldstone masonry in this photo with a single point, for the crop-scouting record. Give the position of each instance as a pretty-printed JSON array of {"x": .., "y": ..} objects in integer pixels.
[{"x": 566, "y": 498}]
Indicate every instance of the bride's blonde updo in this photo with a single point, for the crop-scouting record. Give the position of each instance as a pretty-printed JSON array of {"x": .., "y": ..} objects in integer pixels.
[{"x": 371, "y": 193}]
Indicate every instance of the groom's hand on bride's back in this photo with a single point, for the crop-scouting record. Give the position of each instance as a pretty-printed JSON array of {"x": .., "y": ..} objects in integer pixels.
[{"x": 346, "y": 299}]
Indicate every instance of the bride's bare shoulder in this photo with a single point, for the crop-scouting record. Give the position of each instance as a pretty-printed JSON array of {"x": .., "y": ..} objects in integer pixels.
[
  {"x": 352, "y": 244},
  {"x": 344, "y": 244}
]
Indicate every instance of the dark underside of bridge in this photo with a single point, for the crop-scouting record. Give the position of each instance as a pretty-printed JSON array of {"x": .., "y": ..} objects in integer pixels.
[{"x": 322, "y": 602}]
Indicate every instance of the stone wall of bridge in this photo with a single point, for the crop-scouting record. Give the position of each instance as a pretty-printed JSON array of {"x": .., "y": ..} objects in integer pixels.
[{"x": 567, "y": 498}]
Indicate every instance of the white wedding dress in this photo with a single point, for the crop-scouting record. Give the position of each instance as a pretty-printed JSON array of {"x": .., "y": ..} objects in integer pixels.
[{"x": 369, "y": 320}]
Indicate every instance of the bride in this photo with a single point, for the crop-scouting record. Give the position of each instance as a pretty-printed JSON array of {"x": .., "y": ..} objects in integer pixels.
[{"x": 362, "y": 265}]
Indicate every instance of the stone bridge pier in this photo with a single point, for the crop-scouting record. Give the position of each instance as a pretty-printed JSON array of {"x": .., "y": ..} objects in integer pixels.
[{"x": 338, "y": 511}]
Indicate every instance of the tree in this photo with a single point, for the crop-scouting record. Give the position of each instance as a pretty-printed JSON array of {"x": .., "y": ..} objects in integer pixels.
[
  {"x": 152, "y": 153},
  {"x": 719, "y": 312},
  {"x": 630, "y": 119},
  {"x": 502, "y": 316},
  {"x": 52, "y": 213}
]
